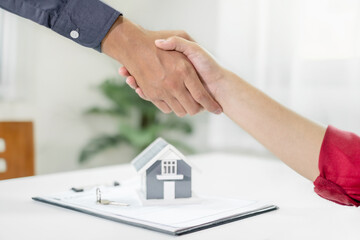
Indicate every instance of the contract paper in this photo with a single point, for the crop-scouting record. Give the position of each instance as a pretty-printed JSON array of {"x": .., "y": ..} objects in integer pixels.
[{"x": 171, "y": 219}]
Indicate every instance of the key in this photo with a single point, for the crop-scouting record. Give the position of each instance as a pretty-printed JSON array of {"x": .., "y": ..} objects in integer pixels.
[{"x": 107, "y": 202}]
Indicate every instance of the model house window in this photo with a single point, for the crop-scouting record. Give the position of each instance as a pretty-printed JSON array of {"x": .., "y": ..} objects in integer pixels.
[{"x": 168, "y": 167}]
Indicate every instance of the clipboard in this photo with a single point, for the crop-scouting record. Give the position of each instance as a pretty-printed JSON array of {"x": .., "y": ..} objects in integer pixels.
[{"x": 169, "y": 219}]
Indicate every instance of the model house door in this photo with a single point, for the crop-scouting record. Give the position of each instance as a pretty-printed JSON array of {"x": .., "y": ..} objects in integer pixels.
[{"x": 169, "y": 190}]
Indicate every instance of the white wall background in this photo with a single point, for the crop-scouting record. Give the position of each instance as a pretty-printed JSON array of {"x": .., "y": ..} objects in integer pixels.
[
  {"x": 8, "y": 59},
  {"x": 304, "y": 53}
]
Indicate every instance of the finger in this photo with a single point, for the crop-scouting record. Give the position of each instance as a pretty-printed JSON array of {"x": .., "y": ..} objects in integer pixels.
[
  {"x": 159, "y": 104},
  {"x": 201, "y": 95},
  {"x": 178, "y": 33},
  {"x": 176, "y": 43},
  {"x": 131, "y": 82},
  {"x": 124, "y": 72},
  {"x": 176, "y": 107},
  {"x": 162, "y": 106},
  {"x": 141, "y": 94},
  {"x": 188, "y": 102}
]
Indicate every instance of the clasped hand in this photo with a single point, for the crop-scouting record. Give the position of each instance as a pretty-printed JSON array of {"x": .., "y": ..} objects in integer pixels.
[
  {"x": 166, "y": 78},
  {"x": 208, "y": 70}
]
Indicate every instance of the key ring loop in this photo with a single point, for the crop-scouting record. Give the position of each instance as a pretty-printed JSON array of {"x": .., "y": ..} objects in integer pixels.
[{"x": 98, "y": 195}]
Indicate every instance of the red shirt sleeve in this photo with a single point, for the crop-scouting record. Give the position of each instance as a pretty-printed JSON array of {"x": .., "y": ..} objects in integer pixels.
[{"x": 339, "y": 165}]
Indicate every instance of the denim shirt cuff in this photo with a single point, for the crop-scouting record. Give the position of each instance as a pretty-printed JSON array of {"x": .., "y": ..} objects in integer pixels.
[{"x": 86, "y": 22}]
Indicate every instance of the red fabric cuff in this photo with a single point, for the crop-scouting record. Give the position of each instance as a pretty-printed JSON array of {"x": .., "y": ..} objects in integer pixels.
[
  {"x": 333, "y": 192},
  {"x": 339, "y": 165}
]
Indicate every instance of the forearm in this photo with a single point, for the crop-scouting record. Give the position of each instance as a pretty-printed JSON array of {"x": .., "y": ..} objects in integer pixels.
[{"x": 291, "y": 137}]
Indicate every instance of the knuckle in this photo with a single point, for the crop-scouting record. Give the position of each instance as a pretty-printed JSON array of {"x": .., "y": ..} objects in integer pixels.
[
  {"x": 162, "y": 110},
  {"x": 151, "y": 96},
  {"x": 195, "y": 46},
  {"x": 166, "y": 111},
  {"x": 182, "y": 68},
  {"x": 172, "y": 39},
  {"x": 199, "y": 96},
  {"x": 186, "y": 35},
  {"x": 183, "y": 34},
  {"x": 181, "y": 114},
  {"x": 195, "y": 111},
  {"x": 154, "y": 95},
  {"x": 161, "y": 106},
  {"x": 171, "y": 85},
  {"x": 193, "y": 108},
  {"x": 160, "y": 81}
]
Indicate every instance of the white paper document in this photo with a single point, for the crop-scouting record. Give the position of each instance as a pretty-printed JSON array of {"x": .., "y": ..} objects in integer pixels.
[{"x": 171, "y": 219}]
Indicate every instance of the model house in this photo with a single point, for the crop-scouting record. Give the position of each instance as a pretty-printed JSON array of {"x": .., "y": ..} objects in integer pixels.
[{"x": 164, "y": 171}]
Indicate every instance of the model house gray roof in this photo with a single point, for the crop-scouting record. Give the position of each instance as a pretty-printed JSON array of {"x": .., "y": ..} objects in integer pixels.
[{"x": 149, "y": 153}]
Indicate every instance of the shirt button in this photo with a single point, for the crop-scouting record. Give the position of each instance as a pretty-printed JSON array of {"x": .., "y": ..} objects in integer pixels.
[{"x": 74, "y": 34}]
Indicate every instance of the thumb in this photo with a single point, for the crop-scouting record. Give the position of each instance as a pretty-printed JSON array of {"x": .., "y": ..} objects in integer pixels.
[{"x": 175, "y": 43}]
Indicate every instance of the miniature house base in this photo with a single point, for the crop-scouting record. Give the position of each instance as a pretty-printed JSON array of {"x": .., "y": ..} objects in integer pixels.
[{"x": 177, "y": 201}]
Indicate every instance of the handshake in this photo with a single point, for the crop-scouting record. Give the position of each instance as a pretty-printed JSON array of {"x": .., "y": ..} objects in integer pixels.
[
  {"x": 169, "y": 69},
  {"x": 165, "y": 67}
]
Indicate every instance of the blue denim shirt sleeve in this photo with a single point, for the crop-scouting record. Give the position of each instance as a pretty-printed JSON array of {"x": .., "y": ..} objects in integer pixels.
[{"x": 84, "y": 21}]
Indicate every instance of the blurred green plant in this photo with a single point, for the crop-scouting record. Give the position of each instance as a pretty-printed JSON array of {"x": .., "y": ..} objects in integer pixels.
[{"x": 139, "y": 122}]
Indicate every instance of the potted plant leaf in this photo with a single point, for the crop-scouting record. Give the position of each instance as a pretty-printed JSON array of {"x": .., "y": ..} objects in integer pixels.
[{"x": 139, "y": 122}]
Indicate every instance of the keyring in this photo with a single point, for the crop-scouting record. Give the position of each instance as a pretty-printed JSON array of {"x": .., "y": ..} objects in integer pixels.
[{"x": 98, "y": 195}]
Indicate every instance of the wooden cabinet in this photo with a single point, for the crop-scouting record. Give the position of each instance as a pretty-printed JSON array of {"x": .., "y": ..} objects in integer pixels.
[{"x": 16, "y": 149}]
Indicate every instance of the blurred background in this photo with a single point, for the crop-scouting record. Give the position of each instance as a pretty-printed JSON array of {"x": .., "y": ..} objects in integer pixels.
[{"x": 304, "y": 53}]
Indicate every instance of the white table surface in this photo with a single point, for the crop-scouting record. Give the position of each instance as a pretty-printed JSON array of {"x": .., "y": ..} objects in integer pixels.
[{"x": 302, "y": 214}]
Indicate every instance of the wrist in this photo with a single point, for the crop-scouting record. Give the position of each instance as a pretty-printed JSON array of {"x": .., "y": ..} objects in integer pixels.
[
  {"x": 108, "y": 43},
  {"x": 117, "y": 42},
  {"x": 227, "y": 87},
  {"x": 222, "y": 83}
]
